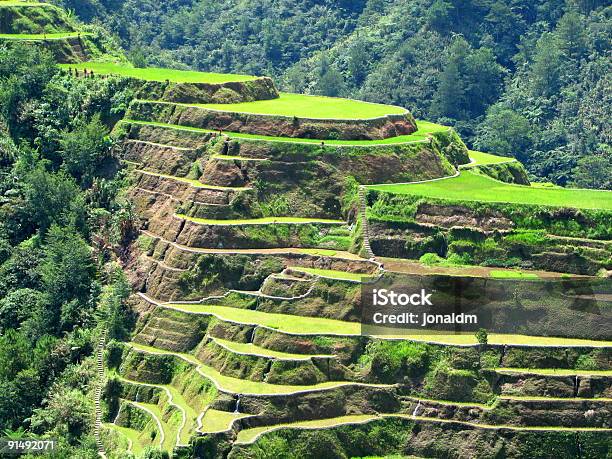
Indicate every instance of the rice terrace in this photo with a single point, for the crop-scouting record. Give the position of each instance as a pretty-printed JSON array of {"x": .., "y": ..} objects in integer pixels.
[{"x": 233, "y": 231}]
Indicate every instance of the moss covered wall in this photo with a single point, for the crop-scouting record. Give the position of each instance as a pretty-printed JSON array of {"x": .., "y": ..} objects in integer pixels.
[{"x": 220, "y": 93}]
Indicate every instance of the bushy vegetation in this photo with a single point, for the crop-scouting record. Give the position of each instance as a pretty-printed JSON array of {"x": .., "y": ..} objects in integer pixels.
[
  {"x": 212, "y": 272},
  {"x": 61, "y": 222}
]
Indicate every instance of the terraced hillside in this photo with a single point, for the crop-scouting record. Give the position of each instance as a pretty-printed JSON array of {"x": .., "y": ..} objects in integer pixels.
[
  {"x": 44, "y": 24},
  {"x": 489, "y": 215},
  {"x": 255, "y": 243},
  {"x": 263, "y": 216}
]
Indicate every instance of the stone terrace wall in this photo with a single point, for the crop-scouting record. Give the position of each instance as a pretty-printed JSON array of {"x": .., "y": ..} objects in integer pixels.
[{"x": 221, "y": 93}]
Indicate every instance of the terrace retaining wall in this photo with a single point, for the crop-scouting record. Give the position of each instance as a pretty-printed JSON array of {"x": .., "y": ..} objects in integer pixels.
[{"x": 230, "y": 92}]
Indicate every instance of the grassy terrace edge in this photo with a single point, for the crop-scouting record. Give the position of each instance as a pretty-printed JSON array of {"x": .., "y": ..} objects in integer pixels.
[
  {"x": 161, "y": 74},
  {"x": 249, "y": 436},
  {"x": 262, "y": 221},
  {"x": 422, "y": 135},
  {"x": 312, "y": 326},
  {"x": 229, "y": 384}
]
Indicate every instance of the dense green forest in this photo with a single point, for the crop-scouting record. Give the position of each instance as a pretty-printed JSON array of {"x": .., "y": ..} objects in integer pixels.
[
  {"x": 62, "y": 221},
  {"x": 521, "y": 78}
]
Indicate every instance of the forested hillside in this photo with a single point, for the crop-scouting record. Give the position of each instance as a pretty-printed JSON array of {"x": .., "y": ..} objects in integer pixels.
[
  {"x": 61, "y": 223},
  {"x": 521, "y": 78}
]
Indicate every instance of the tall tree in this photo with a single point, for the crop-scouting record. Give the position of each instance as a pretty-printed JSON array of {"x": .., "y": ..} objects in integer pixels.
[
  {"x": 449, "y": 99},
  {"x": 84, "y": 148},
  {"x": 67, "y": 273}
]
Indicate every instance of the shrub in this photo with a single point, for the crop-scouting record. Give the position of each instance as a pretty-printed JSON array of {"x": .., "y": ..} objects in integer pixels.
[
  {"x": 431, "y": 259},
  {"x": 391, "y": 360},
  {"x": 482, "y": 336},
  {"x": 586, "y": 362}
]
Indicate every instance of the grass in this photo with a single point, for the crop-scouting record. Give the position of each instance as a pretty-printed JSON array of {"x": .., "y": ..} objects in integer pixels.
[
  {"x": 511, "y": 274},
  {"x": 469, "y": 186},
  {"x": 133, "y": 437},
  {"x": 160, "y": 74},
  {"x": 178, "y": 400},
  {"x": 555, "y": 371},
  {"x": 421, "y": 135},
  {"x": 191, "y": 182},
  {"x": 332, "y": 274},
  {"x": 250, "y": 435},
  {"x": 300, "y": 325},
  {"x": 528, "y": 398},
  {"x": 241, "y": 386},
  {"x": 153, "y": 412},
  {"x": 4, "y": 3},
  {"x": 40, "y": 36},
  {"x": 500, "y": 426},
  {"x": 219, "y": 421},
  {"x": 482, "y": 159},
  {"x": 236, "y": 158},
  {"x": 284, "y": 322},
  {"x": 303, "y": 106},
  {"x": 190, "y": 413},
  {"x": 169, "y": 431},
  {"x": 252, "y": 349},
  {"x": 406, "y": 266},
  {"x": 262, "y": 221}
]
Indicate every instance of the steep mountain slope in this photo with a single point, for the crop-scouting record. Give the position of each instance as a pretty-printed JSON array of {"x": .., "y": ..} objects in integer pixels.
[{"x": 535, "y": 67}]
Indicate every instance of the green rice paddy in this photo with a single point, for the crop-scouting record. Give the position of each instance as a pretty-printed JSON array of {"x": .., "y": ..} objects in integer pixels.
[
  {"x": 304, "y": 106},
  {"x": 192, "y": 182},
  {"x": 275, "y": 251},
  {"x": 249, "y": 435},
  {"x": 283, "y": 322},
  {"x": 332, "y": 274},
  {"x": 160, "y": 74},
  {"x": 40, "y": 36},
  {"x": 219, "y": 421},
  {"x": 482, "y": 159},
  {"x": 470, "y": 186},
  {"x": 166, "y": 425},
  {"x": 237, "y": 385},
  {"x": 252, "y": 349},
  {"x": 132, "y": 437},
  {"x": 510, "y": 274}
]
